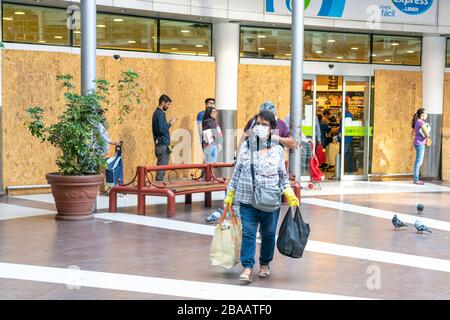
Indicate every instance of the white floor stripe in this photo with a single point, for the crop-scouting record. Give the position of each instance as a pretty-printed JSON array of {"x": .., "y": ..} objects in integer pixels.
[
  {"x": 328, "y": 188},
  {"x": 127, "y": 201},
  {"x": 378, "y": 213},
  {"x": 312, "y": 246},
  {"x": 407, "y": 184},
  {"x": 364, "y": 187},
  {"x": 152, "y": 285},
  {"x": 9, "y": 211}
]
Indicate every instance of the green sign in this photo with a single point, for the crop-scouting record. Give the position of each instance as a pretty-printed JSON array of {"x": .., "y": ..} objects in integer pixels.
[
  {"x": 307, "y": 131},
  {"x": 349, "y": 131},
  {"x": 357, "y": 131}
]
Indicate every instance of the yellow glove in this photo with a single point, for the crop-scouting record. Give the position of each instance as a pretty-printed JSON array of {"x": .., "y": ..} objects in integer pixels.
[
  {"x": 230, "y": 197},
  {"x": 291, "y": 197}
]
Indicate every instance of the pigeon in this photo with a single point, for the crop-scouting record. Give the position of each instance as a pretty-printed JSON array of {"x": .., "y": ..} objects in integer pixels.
[
  {"x": 421, "y": 227},
  {"x": 420, "y": 208},
  {"x": 397, "y": 223},
  {"x": 214, "y": 217}
]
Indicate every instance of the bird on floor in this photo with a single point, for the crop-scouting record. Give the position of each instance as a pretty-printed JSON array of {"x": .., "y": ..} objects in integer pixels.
[
  {"x": 398, "y": 223},
  {"x": 420, "y": 208},
  {"x": 421, "y": 227}
]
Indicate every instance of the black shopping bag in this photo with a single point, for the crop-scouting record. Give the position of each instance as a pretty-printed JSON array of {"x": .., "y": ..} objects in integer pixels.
[{"x": 293, "y": 235}]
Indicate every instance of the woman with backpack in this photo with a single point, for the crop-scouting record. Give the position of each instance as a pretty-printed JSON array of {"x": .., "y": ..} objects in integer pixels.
[
  {"x": 421, "y": 132},
  {"x": 258, "y": 182}
]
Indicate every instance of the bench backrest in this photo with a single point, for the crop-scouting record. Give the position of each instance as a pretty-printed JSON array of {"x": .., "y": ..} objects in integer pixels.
[{"x": 205, "y": 168}]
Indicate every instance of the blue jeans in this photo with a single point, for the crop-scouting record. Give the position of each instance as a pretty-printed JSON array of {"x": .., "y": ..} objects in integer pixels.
[
  {"x": 211, "y": 153},
  {"x": 420, "y": 153},
  {"x": 250, "y": 218}
]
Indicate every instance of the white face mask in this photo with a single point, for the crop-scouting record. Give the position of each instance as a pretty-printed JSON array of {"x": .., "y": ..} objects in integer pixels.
[{"x": 261, "y": 131}]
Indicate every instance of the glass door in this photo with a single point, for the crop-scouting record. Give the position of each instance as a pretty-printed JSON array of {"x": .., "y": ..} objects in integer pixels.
[
  {"x": 354, "y": 131},
  {"x": 329, "y": 97},
  {"x": 308, "y": 123}
]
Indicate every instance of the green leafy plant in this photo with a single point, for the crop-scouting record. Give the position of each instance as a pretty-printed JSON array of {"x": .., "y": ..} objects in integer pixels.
[
  {"x": 129, "y": 93},
  {"x": 77, "y": 133}
]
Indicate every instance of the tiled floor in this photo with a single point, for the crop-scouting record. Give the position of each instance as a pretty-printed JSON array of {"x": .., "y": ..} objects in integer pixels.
[{"x": 353, "y": 250}]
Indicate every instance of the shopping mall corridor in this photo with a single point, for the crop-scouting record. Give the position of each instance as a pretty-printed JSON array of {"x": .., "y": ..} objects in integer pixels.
[{"x": 353, "y": 251}]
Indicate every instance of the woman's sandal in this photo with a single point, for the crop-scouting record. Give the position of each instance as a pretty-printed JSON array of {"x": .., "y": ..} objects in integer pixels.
[
  {"x": 264, "y": 271},
  {"x": 245, "y": 277}
]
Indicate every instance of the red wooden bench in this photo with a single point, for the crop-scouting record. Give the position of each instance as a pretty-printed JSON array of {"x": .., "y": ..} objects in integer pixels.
[{"x": 202, "y": 180}]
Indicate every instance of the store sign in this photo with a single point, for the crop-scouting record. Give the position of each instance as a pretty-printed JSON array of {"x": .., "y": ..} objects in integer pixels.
[
  {"x": 389, "y": 11},
  {"x": 329, "y": 8},
  {"x": 333, "y": 83},
  {"x": 357, "y": 131},
  {"x": 413, "y": 7}
]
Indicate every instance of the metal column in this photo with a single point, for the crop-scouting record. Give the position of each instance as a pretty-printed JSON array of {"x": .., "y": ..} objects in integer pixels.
[
  {"x": 88, "y": 45},
  {"x": 296, "y": 112}
]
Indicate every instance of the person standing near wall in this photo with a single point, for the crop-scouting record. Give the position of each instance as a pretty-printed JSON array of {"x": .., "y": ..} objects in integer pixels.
[
  {"x": 209, "y": 102},
  {"x": 421, "y": 132},
  {"x": 106, "y": 139},
  {"x": 161, "y": 133},
  {"x": 106, "y": 142},
  {"x": 283, "y": 135},
  {"x": 212, "y": 135}
]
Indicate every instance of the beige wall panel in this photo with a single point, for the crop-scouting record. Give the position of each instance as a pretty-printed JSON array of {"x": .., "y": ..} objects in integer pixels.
[
  {"x": 29, "y": 79},
  {"x": 398, "y": 94},
  {"x": 446, "y": 131},
  {"x": 258, "y": 83}
]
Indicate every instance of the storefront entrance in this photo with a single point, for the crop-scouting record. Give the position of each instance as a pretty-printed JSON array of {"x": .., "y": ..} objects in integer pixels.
[{"x": 336, "y": 113}]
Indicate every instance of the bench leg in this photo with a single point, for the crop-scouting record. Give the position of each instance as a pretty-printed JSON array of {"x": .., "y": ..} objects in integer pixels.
[
  {"x": 141, "y": 204},
  {"x": 188, "y": 199},
  {"x": 171, "y": 206},
  {"x": 112, "y": 201},
  {"x": 208, "y": 199}
]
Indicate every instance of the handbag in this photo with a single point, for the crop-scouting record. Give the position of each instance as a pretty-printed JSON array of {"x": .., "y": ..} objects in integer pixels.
[
  {"x": 226, "y": 243},
  {"x": 429, "y": 142},
  {"x": 267, "y": 199},
  {"x": 293, "y": 235}
]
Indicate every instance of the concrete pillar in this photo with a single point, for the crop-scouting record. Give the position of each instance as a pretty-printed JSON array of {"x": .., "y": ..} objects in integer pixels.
[
  {"x": 88, "y": 45},
  {"x": 226, "y": 52},
  {"x": 297, "y": 85},
  {"x": 433, "y": 69}
]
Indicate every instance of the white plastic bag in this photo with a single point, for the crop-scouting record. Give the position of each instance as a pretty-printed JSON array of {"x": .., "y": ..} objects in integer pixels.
[{"x": 226, "y": 243}]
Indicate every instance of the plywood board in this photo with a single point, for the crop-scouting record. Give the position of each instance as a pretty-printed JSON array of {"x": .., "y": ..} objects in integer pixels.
[
  {"x": 398, "y": 94},
  {"x": 259, "y": 83},
  {"x": 29, "y": 78}
]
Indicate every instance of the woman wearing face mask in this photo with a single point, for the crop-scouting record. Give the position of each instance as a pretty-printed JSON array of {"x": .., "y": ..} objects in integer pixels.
[{"x": 269, "y": 172}]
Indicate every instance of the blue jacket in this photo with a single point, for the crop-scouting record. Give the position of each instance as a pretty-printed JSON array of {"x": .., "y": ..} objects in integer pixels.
[
  {"x": 160, "y": 128},
  {"x": 347, "y": 139}
]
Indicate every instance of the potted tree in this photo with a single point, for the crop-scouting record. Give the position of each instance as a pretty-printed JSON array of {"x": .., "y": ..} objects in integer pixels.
[{"x": 77, "y": 135}]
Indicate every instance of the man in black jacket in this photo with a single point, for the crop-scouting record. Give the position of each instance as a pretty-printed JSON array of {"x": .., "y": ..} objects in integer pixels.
[{"x": 161, "y": 134}]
